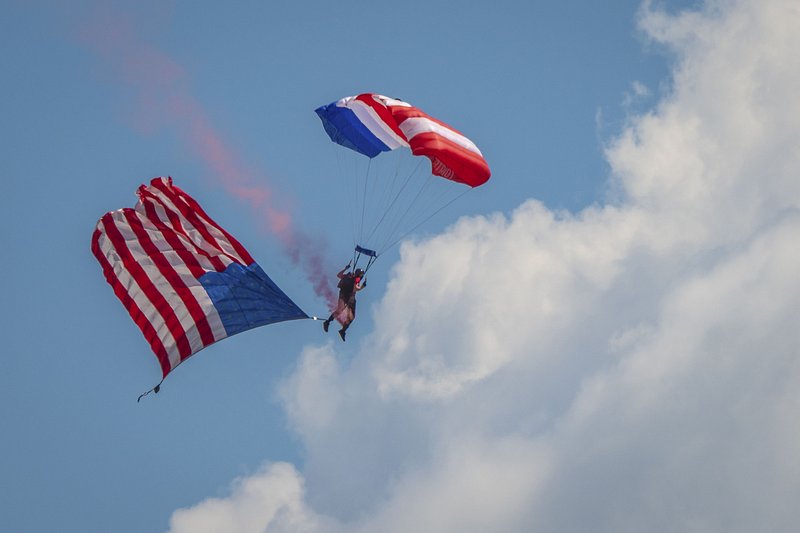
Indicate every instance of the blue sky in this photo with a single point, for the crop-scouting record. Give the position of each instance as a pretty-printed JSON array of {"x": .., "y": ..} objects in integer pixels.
[{"x": 605, "y": 129}]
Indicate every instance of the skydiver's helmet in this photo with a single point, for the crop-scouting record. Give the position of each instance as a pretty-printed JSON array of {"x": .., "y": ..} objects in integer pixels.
[{"x": 359, "y": 273}]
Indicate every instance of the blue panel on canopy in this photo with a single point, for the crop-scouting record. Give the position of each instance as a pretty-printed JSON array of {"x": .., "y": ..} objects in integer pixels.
[
  {"x": 344, "y": 127},
  {"x": 246, "y": 297}
]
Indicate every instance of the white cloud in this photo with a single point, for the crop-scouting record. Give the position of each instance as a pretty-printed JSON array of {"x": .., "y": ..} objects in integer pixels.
[
  {"x": 632, "y": 367},
  {"x": 272, "y": 498},
  {"x": 310, "y": 396},
  {"x": 638, "y": 92}
]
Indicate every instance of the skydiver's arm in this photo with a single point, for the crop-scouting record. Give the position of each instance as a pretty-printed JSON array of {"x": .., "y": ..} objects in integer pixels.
[{"x": 340, "y": 275}]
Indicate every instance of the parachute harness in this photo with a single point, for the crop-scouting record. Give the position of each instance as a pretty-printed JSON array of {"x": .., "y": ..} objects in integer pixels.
[{"x": 358, "y": 252}]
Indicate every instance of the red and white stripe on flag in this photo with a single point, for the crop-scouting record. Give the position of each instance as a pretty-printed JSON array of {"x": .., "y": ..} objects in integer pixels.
[{"x": 153, "y": 256}]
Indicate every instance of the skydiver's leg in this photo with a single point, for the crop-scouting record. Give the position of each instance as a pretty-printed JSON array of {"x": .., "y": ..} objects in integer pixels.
[
  {"x": 327, "y": 323},
  {"x": 343, "y": 331}
]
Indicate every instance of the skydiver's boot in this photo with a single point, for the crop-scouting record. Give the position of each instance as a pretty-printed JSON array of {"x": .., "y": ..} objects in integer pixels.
[
  {"x": 342, "y": 333},
  {"x": 326, "y": 324}
]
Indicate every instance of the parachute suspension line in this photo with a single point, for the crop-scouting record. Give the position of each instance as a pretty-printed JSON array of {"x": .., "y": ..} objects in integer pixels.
[
  {"x": 388, "y": 198},
  {"x": 381, "y": 193},
  {"x": 364, "y": 202},
  {"x": 371, "y": 202},
  {"x": 404, "y": 235},
  {"x": 353, "y": 199},
  {"x": 436, "y": 196},
  {"x": 403, "y": 216},
  {"x": 352, "y": 203},
  {"x": 154, "y": 390},
  {"x": 394, "y": 200}
]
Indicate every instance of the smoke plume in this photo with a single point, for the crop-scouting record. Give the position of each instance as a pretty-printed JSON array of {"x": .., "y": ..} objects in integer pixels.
[{"x": 162, "y": 99}]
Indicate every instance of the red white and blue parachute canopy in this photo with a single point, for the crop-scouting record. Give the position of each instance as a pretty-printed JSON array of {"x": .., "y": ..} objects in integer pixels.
[
  {"x": 372, "y": 123},
  {"x": 185, "y": 281}
]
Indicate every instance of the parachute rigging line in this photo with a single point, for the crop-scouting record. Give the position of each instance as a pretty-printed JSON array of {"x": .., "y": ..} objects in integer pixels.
[
  {"x": 394, "y": 200},
  {"x": 403, "y": 216},
  {"x": 404, "y": 235},
  {"x": 364, "y": 202},
  {"x": 371, "y": 124}
]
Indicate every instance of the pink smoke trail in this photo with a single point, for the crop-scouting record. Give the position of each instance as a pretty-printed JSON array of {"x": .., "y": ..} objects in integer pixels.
[{"x": 163, "y": 98}]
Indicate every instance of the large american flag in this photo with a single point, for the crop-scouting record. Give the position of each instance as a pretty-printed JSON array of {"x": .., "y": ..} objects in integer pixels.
[{"x": 185, "y": 281}]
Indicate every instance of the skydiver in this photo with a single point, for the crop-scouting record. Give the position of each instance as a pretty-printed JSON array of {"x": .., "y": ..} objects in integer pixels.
[{"x": 349, "y": 284}]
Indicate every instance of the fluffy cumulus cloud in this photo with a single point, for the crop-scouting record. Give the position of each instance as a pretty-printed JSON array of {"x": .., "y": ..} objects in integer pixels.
[
  {"x": 271, "y": 498},
  {"x": 631, "y": 367}
]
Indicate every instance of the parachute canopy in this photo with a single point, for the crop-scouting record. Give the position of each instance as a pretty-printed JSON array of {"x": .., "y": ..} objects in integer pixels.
[
  {"x": 372, "y": 123},
  {"x": 185, "y": 281}
]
